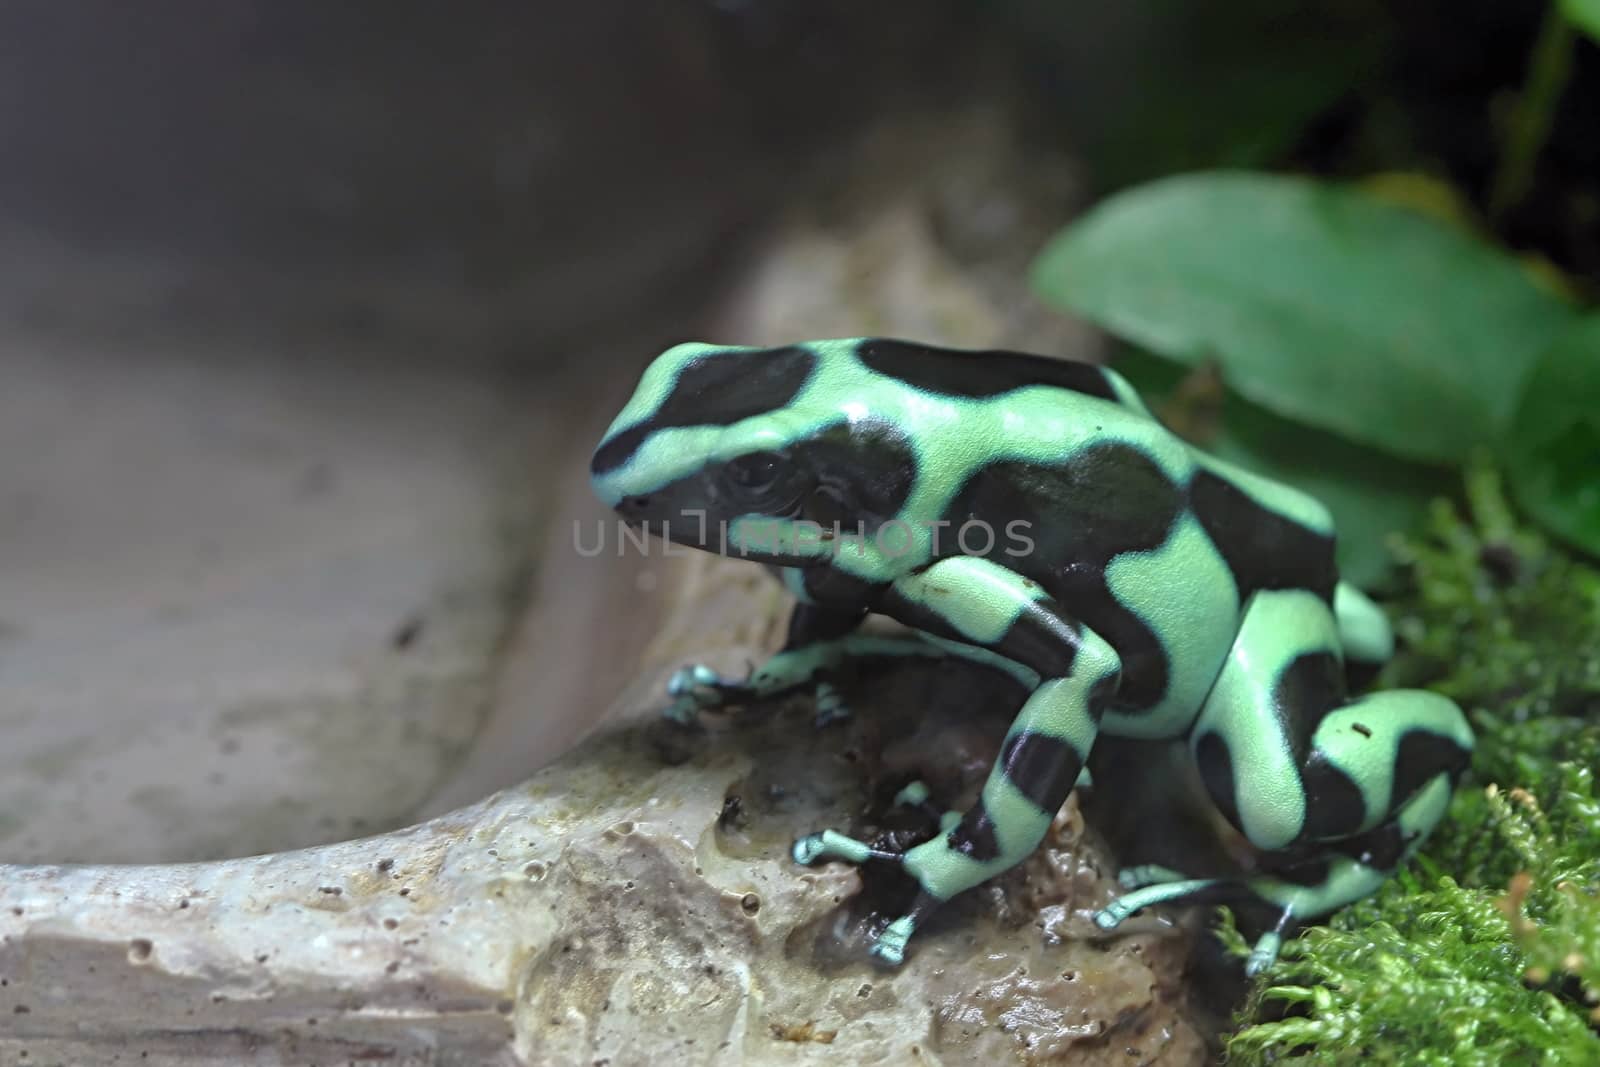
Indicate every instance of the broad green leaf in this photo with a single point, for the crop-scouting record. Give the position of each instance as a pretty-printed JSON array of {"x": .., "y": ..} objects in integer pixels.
[
  {"x": 1322, "y": 304},
  {"x": 1584, "y": 14},
  {"x": 1553, "y": 453},
  {"x": 1372, "y": 495}
]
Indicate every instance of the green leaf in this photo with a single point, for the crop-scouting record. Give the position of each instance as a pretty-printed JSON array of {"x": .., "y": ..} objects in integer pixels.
[
  {"x": 1584, "y": 14},
  {"x": 1322, "y": 304},
  {"x": 1372, "y": 496},
  {"x": 1553, "y": 453}
]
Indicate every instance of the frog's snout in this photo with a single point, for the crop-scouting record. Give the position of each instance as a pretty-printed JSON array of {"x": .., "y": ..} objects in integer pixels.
[
  {"x": 605, "y": 468},
  {"x": 612, "y": 453}
]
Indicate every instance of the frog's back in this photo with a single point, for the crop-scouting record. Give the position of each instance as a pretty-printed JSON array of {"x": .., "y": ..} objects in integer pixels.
[
  {"x": 985, "y": 374},
  {"x": 1270, "y": 535},
  {"x": 1273, "y": 535},
  {"x": 1072, "y": 445},
  {"x": 1150, "y": 542},
  {"x": 1070, "y": 449}
]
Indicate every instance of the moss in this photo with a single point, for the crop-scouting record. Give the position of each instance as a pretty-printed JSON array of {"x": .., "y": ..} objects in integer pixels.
[{"x": 1487, "y": 949}]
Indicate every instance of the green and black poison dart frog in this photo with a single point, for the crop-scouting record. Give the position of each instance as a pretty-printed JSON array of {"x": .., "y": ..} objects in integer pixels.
[{"x": 1031, "y": 513}]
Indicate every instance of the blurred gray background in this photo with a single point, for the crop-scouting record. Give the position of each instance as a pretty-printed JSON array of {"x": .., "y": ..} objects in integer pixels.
[{"x": 309, "y": 314}]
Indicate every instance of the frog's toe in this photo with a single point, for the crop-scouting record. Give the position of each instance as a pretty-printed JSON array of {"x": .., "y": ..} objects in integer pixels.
[
  {"x": 831, "y": 707},
  {"x": 832, "y": 845},
  {"x": 1162, "y": 891},
  {"x": 808, "y": 849},
  {"x": 694, "y": 679},
  {"x": 1146, "y": 874},
  {"x": 1264, "y": 954},
  {"x": 693, "y": 689}
]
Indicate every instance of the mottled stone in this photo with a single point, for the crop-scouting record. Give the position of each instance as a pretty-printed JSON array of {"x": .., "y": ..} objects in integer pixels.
[{"x": 634, "y": 902}]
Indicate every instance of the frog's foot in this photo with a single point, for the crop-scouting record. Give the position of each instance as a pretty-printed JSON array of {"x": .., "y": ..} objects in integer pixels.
[
  {"x": 832, "y": 845},
  {"x": 1264, "y": 954},
  {"x": 1159, "y": 889},
  {"x": 831, "y": 707},
  {"x": 889, "y": 947},
  {"x": 693, "y": 689}
]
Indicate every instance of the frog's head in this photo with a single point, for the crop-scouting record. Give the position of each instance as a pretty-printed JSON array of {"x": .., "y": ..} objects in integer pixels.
[{"x": 759, "y": 452}]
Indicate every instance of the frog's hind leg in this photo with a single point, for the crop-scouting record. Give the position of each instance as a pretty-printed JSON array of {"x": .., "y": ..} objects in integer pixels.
[
  {"x": 1335, "y": 874},
  {"x": 1345, "y": 871},
  {"x": 1348, "y": 789}
]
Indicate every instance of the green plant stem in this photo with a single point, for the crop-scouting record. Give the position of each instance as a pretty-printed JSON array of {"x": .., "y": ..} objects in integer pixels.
[{"x": 1548, "y": 70}]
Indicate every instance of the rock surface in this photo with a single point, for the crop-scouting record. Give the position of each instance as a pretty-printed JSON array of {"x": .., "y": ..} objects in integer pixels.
[{"x": 632, "y": 904}]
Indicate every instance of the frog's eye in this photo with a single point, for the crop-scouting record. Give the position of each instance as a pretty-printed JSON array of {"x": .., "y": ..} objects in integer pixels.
[
  {"x": 756, "y": 471},
  {"x": 761, "y": 478}
]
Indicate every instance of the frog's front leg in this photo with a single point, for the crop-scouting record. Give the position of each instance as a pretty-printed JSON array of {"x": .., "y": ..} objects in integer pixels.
[
  {"x": 981, "y": 604},
  {"x": 821, "y": 642},
  {"x": 817, "y": 643}
]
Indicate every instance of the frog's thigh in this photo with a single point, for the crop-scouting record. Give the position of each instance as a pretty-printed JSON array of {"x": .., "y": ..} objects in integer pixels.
[
  {"x": 1283, "y": 754},
  {"x": 1282, "y": 675}
]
